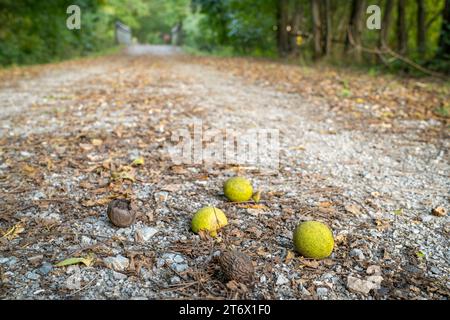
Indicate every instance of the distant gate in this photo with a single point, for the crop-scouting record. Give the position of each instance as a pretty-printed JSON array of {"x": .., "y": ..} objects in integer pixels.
[{"x": 123, "y": 34}]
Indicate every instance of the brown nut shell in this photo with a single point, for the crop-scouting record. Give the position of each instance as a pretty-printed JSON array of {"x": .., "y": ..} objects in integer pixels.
[
  {"x": 121, "y": 213},
  {"x": 237, "y": 266}
]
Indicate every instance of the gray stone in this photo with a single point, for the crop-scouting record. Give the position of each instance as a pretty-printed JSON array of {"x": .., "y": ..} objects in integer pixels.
[
  {"x": 12, "y": 261},
  {"x": 86, "y": 240},
  {"x": 36, "y": 258},
  {"x": 357, "y": 253},
  {"x": 144, "y": 234},
  {"x": 175, "y": 280},
  {"x": 118, "y": 275},
  {"x": 178, "y": 259},
  {"x": 161, "y": 196},
  {"x": 4, "y": 260},
  {"x": 180, "y": 267},
  {"x": 117, "y": 263},
  {"x": 322, "y": 291},
  {"x": 281, "y": 280},
  {"x": 363, "y": 286},
  {"x": 45, "y": 268},
  {"x": 32, "y": 275}
]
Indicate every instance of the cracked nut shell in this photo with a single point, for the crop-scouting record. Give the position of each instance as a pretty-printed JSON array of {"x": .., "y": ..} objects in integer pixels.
[
  {"x": 237, "y": 266},
  {"x": 121, "y": 213}
]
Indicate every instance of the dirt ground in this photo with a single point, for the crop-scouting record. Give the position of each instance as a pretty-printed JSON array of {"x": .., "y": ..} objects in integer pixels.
[{"x": 366, "y": 155}]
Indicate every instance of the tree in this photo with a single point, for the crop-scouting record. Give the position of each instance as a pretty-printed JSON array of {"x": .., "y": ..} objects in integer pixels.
[
  {"x": 355, "y": 27},
  {"x": 402, "y": 35},
  {"x": 387, "y": 18},
  {"x": 443, "y": 52},
  {"x": 296, "y": 20},
  {"x": 282, "y": 33},
  {"x": 421, "y": 28},
  {"x": 328, "y": 29},
  {"x": 317, "y": 29}
]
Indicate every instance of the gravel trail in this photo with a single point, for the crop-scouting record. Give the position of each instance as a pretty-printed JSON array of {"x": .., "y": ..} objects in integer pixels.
[{"x": 65, "y": 130}]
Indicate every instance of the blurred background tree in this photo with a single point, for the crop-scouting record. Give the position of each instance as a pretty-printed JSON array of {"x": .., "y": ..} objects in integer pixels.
[{"x": 331, "y": 31}]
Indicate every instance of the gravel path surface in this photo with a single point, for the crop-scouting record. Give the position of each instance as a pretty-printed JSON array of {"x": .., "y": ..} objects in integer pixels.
[{"x": 64, "y": 131}]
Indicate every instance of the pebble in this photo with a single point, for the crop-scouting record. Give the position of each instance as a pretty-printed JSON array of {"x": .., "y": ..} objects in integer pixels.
[
  {"x": 304, "y": 291},
  {"x": 35, "y": 259},
  {"x": 12, "y": 261},
  {"x": 281, "y": 280},
  {"x": 118, "y": 275},
  {"x": 144, "y": 234},
  {"x": 357, "y": 253},
  {"x": 180, "y": 267},
  {"x": 322, "y": 292},
  {"x": 176, "y": 261},
  {"x": 85, "y": 241},
  {"x": 363, "y": 286},
  {"x": 73, "y": 282},
  {"x": 45, "y": 268},
  {"x": 175, "y": 280},
  {"x": 4, "y": 260},
  {"x": 161, "y": 196},
  {"x": 263, "y": 279},
  {"x": 117, "y": 263},
  {"x": 32, "y": 275}
]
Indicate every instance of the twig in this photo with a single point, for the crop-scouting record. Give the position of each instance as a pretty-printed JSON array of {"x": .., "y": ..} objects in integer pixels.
[{"x": 387, "y": 50}]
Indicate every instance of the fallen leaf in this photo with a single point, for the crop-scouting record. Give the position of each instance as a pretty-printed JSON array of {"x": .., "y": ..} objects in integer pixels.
[
  {"x": 86, "y": 146},
  {"x": 14, "y": 231},
  {"x": 300, "y": 148},
  {"x": 96, "y": 142},
  {"x": 29, "y": 170},
  {"x": 256, "y": 196},
  {"x": 253, "y": 206},
  {"x": 398, "y": 211},
  {"x": 382, "y": 224},
  {"x": 290, "y": 255},
  {"x": 420, "y": 254},
  {"x": 310, "y": 263},
  {"x": 138, "y": 161},
  {"x": 87, "y": 261},
  {"x": 98, "y": 202},
  {"x": 439, "y": 212},
  {"x": 353, "y": 208},
  {"x": 325, "y": 204}
]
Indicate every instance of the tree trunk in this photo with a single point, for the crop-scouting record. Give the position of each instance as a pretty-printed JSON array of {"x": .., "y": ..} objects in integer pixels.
[
  {"x": 385, "y": 24},
  {"x": 296, "y": 20},
  {"x": 328, "y": 29},
  {"x": 355, "y": 29},
  {"x": 402, "y": 40},
  {"x": 317, "y": 29},
  {"x": 282, "y": 34},
  {"x": 443, "y": 52},
  {"x": 421, "y": 29}
]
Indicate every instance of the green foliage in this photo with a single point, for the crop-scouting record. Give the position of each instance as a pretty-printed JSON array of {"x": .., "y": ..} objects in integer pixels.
[{"x": 35, "y": 31}]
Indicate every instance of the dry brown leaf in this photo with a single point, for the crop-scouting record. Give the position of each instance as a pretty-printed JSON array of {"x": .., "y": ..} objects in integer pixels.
[
  {"x": 98, "y": 202},
  {"x": 289, "y": 256},
  {"x": 353, "y": 208},
  {"x": 325, "y": 204},
  {"x": 310, "y": 263},
  {"x": 14, "y": 231}
]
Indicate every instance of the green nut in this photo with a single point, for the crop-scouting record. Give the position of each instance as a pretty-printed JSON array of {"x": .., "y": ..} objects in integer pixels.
[
  {"x": 313, "y": 239},
  {"x": 238, "y": 189}
]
